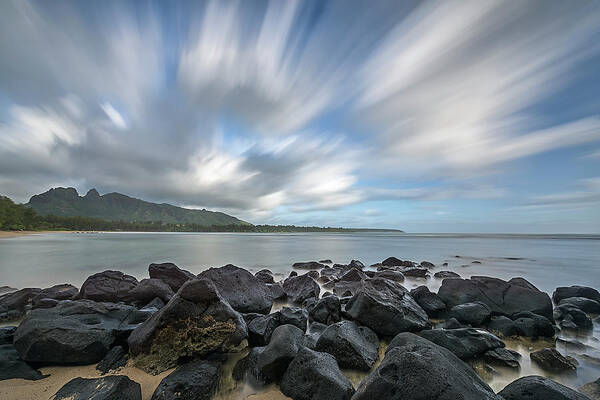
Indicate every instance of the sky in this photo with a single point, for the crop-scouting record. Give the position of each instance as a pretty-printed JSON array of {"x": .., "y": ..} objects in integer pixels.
[{"x": 426, "y": 116}]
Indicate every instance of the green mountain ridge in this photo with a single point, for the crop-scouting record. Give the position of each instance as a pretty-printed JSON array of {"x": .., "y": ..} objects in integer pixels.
[{"x": 114, "y": 206}]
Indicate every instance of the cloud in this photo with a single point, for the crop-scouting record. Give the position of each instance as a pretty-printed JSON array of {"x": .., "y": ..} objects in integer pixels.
[
  {"x": 586, "y": 195},
  {"x": 114, "y": 115}
]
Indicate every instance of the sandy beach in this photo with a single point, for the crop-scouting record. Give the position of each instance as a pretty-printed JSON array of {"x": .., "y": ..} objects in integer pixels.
[{"x": 13, "y": 234}]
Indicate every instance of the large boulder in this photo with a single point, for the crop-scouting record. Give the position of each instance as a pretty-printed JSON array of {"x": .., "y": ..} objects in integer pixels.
[
  {"x": 113, "y": 387},
  {"x": 570, "y": 317},
  {"x": 301, "y": 288},
  {"x": 56, "y": 292},
  {"x": 260, "y": 329},
  {"x": 313, "y": 333},
  {"x": 395, "y": 276},
  {"x": 474, "y": 314},
  {"x": 565, "y": 292},
  {"x": 149, "y": 289},
  {"x": 273, "y": 360},
  {"x": 532, "y": 325},
  {"x": 446, "y": 274},
  {"x": 6, "y": 334},
  {"x": 327, "y": 310},
  {"x": 417, "y": 369},
  {"x": 308, "y": 265},
  {"x": 265, "y": 275},
  {"x": 430, "y": 302},
  {"x": 466, "y": 343},
  {"x": 116, "y": 358},
  {"x": 109, "y": 286},
  {"x": 353, "y": 346},
  {"x": 386, "y": 307},
  {"x": 13, "y": 367},
  {"x": 74, "y": 332},
  {"x": 551, "y": 360},
  {"x": 197, "y": 321},
  {"x": 503, "y": 326},
  {"x": 315, "y": 376},
  {"x": 502, "y": 357},
  {"x": 192, "y": 381},
  {"x": 171, "y": 274},
  {"x": 539, "y": 388},
  {"x": 503, "y": 297},
  {"x": 15, "y": 304},
  {"x": 242, "y": 290},
  {"x": 584, "y": 304}
]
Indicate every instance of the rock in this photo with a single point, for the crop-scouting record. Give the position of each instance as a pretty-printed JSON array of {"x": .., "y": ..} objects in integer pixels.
[
  {"x": 592, "y": 389},
  {"x": 12, "y": 366},
  {"x": 353, "y": 346},
  {"x": 415, "y": 272},
  {"x": 57, "y": 293},
  {"x": 242, "y": 290},
  {"x": 395, "y": 262},
  {"x": 293, "y": 273},
  {"x": 149, "y": 289},
  {"x": 474, "y": 314},
  {"x": 265, "y": 275},
  {"x": 315, "y": 376},
  {"x": 273, "y": 360},
  {"x": 575, "y": 291},
  {"x": 538, "y": 388},
  {"x": 356, "y": 264},
  {"x": 170, "y": 274},
  {"x": 584, "y": 304},
  {"x": 430, "y": 302},
  {"x": 391, "y": 275},
  {"x": 570, "y": 317},
  {"x": 415, "y": 368},
  {"x": 300, "y": 288},
  {"x": 277, "y": 291},
  {"x": 386, "y": 307},
  {"x": 502, "y": 357},
  {"x": 551, "y": 360},
  {"x": 114, "y": 359},
  {"x": 327, "y": 310},
  {"x": 112, "y": 387},
  {"x": 308, "y": 265},
  {"x": 446, "y": 274},
  {"x": 466, "y": 343},
  {"x": 260, "y": 329},
  {"x": 196, "y": 380},
  {"x": 294, "y": 316},
  {"x": 532, "y": 325},
  {"x": 74, "y": 332},
  {"x": 6, "y": 334},
  {"x": 154, "y": 304},
  {"x": 314, "y": 332},
  {"x": 503, "y": 297},
  {"x": 14, "y": 305},
  {"x": 452, "y": 323},
  {"x": 45, "y": 303},
  {"x": 197, "y": 321},
  {"x": 427, "y": 264},
  {"x": 326, "y": 261},
  {"x": 503, "y": 326},
  {"x": 108, "y": 286},
  {"x": 313, "y": 274}
]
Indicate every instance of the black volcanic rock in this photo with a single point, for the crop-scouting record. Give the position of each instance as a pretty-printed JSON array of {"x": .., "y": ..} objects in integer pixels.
[
  {"x": 584, "y": 304},
  {"x": 196, "y": 380},
  {"x": 13, "y": 367},
  {"x": 149, "y": 289},
  {"x": 474, "y": 314},
  {"x": 466, "y": 343},
  {"x": 112, "y": 387},
  {"x": 551, "y": 360},
  {"x": 446, "y": 274},
  {"x": 109, "y": 286},
  {"x": 353, "y": 346},
  {"x": 308, "y": 265},
  {"x": 570, "y": 317},
  {"x": 300, "y": 288},
  {"x": 326, "y": 310},
  {"x": 171, "y": 274},
  {"x": 273, "y": 359},
  {"x": 242, "y": 290},
  {"x": 565, "y": 292},
  {"x": 538, "y": 388},
  {"x": 114, "y": 359},
  {"x": 430, "y": 302}
]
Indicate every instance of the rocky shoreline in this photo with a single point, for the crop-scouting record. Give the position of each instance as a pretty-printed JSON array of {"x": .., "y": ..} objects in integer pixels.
[{"x": 301, "y": 334}]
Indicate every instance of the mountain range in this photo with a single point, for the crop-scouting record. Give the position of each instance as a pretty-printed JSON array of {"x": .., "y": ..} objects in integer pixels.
[{"x": 119, "y": 207}]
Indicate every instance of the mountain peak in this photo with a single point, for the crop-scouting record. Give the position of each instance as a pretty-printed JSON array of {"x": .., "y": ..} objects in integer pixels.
[{"x": 92, "y": 193}]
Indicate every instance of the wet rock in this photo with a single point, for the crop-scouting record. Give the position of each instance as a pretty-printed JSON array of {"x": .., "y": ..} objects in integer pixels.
[
  {"x": 532, "y": 325},
  {"x": 149, "y": 289},
  {"x": 394, "y": 276},
  {"x": 6, "y": 334},
  {"x": 273, "y": 359},
  {"x": 503, "y": 326},
  {"x": 74, "y": 332},
  {"x": 171, "y": 274},
  {"x": 315, "y": 376},
  {"x": 45, "y": 303},
  {"x": 57, "y": 293},
  {"x": 430, "y": 302},
  {"x": 261, "y": 329},
  {"x": 315, "y": 329},
  {"x": 356, "y": 264},
  {"x": 446, "y": 274},
  {"x": 12, "y": 366},
  {"x": 386, "y": 307},
  {"x": 503, "y": 297},
  {"x": 154, "y": 304},
  {"x": 551, "y": 360},
  {"x": 452, "y": 323},
  {"x": 192, "y": 381},
  {"x": 570, "y": 317},
  {"x": 349, "y": 281},
  {"x": 466, "y": 343},
  {"x": 538, "y": 388},
  {"x": 293, "y": 273},
  {"x": 14, "y": 305},
  {"x": 427, "y": 264},
  {"x": 313, "y": 274},
  {"x": 112, "y": 387},
  {"x": 415, "y": 272},
  {"x": 114, "y": 359},
  {"x": 474, "y": 314},
  {"x": 326, "y": 261},
  {"x": 592, "y": 389},
  {"x": 277, "y": 291},
  {"x": 308, "y": 265},
  {"x": 300, "y": 288},
  {"x": 265, "y": 275},
  {"x": 108, "y": 286},
  {"x": 415, "y": 368},
  {"x": 242, "y": 290},
  {"x": 353, "y": 346},
  {"x": 197, "y": 321},
  {"x": 395, "y": 262},
  {"x": 565, "y": 292},
  {"x": 584, "y": 304},
  {"x": 502, "y": 357},
  {"x": 327, "y": 310}
]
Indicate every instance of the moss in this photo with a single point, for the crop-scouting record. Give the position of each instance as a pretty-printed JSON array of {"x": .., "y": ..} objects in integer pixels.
[{"x": 186, "y": 338}]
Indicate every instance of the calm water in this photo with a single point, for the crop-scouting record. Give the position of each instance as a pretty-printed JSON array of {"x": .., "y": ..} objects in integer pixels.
[
  {"x": 546, "y": 261},
  {"x": 46, "y": 259}
]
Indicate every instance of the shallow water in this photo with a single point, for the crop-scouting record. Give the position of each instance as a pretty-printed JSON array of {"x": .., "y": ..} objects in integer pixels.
[{"x": 546, "y": 261}]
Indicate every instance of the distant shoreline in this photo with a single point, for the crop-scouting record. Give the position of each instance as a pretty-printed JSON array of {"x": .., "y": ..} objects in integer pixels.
[{"x": 13, "y": 234}]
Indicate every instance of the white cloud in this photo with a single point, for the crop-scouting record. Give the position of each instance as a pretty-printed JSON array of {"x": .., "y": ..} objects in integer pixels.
[{"x": 114, "y": 115}]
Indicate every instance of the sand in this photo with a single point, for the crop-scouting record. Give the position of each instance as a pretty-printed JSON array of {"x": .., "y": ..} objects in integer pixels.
[{"x": 13, "y": 234}]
